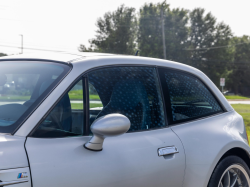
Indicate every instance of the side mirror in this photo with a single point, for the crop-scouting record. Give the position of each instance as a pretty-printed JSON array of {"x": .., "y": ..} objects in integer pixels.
[{"x": 109, "y": 125}]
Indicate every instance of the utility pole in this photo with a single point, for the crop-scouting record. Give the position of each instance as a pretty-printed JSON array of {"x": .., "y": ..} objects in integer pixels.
[
  {"x": 163, "y": 33},
  {"x": 21, "y": 43}
]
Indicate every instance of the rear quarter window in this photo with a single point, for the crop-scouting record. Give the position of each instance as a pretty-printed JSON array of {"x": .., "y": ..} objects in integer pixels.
[{"x": 187, "y": 97}]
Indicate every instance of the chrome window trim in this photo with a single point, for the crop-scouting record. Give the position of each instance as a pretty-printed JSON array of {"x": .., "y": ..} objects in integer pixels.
[{"x": 13, "y": 182}]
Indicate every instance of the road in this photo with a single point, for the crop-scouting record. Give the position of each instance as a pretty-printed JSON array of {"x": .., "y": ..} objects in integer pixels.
[{"x": 240, "y": 102}]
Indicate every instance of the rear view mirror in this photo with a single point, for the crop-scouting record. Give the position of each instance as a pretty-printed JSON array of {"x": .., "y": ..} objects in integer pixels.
[
  {"x": 109, "y": 125},
  {"x": 3, "y": 79}
]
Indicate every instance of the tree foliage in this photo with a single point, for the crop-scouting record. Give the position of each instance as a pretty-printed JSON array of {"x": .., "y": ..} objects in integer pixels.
[
  {"x": 116, "y": 32},
  {"x": 150, "y": 40},
  {"x": 239, "y": 81},
  {"x": 191, "y": 37},
  {"x": 3, "y": 54},
  {"x": 205, "y": 42}
]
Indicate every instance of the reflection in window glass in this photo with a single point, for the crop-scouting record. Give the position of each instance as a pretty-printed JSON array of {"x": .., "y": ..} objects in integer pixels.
[
  {"x": 22, "y": 86},
  {"x": 76, "y": 96}
]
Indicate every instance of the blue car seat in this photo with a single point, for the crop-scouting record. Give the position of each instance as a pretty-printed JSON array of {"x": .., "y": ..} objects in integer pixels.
[{"x": 129, "y": 97}]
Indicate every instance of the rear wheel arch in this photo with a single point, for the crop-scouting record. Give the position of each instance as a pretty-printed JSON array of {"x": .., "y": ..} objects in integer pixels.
[{"x": 236, "y": 151}]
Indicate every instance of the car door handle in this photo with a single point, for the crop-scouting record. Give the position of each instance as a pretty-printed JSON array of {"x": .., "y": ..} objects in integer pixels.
[{"x": 169, "y": 150}]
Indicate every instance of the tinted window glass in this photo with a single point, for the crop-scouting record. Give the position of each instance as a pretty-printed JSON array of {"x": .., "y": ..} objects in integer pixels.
[
  {"x": 66, "y": 119},
  {"x": 95, "y": 103},
  {"x": 189, "y": 97},
  {"x": 131, "y": 91},
  {"x": 22, "y": 86}
]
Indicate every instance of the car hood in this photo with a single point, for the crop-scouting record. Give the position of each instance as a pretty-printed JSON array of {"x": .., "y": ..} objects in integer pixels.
[{"x": 12, "y": 152}]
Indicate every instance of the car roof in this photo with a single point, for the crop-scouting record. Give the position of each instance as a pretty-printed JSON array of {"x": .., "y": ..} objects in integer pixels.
[
  {"x": 84, "y": 61},
  {"x": 81, "y": 57},
  {"x": 53, "y": 56}
]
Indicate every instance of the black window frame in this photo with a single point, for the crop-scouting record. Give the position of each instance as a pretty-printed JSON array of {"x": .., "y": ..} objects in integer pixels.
[{"x": 165, "y": 91}]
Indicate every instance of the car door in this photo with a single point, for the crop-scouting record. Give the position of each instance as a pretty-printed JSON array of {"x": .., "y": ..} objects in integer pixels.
[{"x": 149, "y": 154}]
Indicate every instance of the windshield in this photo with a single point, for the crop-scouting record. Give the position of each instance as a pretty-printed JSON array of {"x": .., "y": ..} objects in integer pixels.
[{"x": 23, "y": 85}]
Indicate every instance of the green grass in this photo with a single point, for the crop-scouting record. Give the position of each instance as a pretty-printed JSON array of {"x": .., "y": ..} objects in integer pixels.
[
  {"x": 236, "y": 97},
  {"x": 79, "y": 106},
  {"x": 73, "y": 95},
  {"x": 15, "y": 98},
  {"x": 93, "y": 105},
  {"x": 244, "y": 111},
  {"x": 77, "y": 95}
]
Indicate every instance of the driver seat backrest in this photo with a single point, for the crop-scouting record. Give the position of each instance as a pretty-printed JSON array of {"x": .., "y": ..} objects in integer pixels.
[
  {"x": 129, "y": 97},
  {"x": 62, "y": 111}
]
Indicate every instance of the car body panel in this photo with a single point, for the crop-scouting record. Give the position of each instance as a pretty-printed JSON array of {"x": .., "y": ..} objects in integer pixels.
[
  {"x": 12, "y": 152},
  {"x": 13, "y": 175},
  {"x": 66, "y": 57},
  {"x": 84, "y": 65},
  {"x": 63, "y": 57},
  {"x": 127, "y": 160},
  {"x": 206, "y": 141}
]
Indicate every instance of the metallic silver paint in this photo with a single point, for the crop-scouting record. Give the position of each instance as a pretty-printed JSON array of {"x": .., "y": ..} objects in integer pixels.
[
  {"x": 13, "y": 182},
  {"x": 12, "y": 153},
  {"x": 9, "y": 177},
  {"x": 79, "y": 67},
  {"x": 205, "y": 141},
  {"x": 107, "y": 126},
  {"x": 127, "y": 160}
]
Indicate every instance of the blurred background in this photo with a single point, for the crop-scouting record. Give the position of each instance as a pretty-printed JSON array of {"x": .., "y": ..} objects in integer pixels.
[{"x": 213, "y": 36}]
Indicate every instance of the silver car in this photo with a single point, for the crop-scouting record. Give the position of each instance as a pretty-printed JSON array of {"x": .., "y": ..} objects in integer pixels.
[{"x": 95, "y": 120}]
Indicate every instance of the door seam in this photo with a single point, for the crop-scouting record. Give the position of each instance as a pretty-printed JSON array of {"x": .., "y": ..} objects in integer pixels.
[
  {"x": 185, "y": 158},
  {"x": 31, "y": 182}
]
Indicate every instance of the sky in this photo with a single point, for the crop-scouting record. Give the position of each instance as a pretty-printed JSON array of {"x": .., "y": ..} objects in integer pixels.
[{"x": 63, "y": 25}]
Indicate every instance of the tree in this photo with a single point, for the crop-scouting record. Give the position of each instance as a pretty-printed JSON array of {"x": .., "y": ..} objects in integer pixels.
[
  {"x": 207, "y": 45},
  {"x": 3, "y": 54},
  {"x": 150, "y": 40},
  {"x": 116, "y": 32},
  {"x": 239, "y": 81},
  {"x": 83, "y": 48}
]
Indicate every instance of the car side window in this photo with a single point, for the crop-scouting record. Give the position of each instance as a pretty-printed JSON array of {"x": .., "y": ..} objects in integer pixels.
[
  {"x": 66, "y": 118},
  {"x": 95, "y": 103},
  {"x": 188, "y": 97},
  {"x": 131, "y": 91}
]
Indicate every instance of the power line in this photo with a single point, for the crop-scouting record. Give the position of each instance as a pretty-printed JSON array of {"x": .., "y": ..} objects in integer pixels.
[
  {"x": 218, "y": 47},
  {"x": 33, "y": 45},
  {"x": 31, "y": 48}
]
